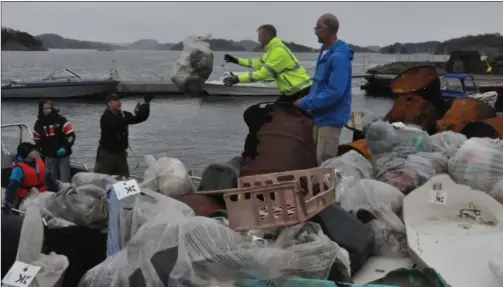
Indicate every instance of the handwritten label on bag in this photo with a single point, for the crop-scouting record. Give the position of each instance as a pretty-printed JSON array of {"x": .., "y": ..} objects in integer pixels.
[
  {"x": 437, "y": 197},
  {"x": 20, "y": 274},
  {"x": 127, "y": 188}
]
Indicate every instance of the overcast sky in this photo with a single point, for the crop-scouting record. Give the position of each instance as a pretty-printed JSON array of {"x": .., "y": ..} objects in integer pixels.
[{"x": 361, "y": 23}]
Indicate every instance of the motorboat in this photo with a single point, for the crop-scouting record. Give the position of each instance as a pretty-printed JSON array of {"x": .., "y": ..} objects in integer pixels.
[
  {"x": 455, "y": 230},
  {"x": 217, "y": 88},
  {"x": 59, "y": 84}
]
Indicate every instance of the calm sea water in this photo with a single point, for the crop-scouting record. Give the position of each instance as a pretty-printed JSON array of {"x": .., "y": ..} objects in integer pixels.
[{"x": 196, "y": 131}]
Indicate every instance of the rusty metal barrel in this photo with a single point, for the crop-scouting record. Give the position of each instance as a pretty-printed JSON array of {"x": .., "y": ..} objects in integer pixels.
[
  {"x": 491, "y": 128},
  {"x": 464, "y": 111},
  {"x": 419, "y": 98},
  {"x": 284, "y": 142},
  {"x": 360, "y": 146}
]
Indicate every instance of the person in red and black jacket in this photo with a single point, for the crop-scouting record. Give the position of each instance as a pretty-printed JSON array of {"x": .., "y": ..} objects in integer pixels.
[{"x": 54, "y": 138}]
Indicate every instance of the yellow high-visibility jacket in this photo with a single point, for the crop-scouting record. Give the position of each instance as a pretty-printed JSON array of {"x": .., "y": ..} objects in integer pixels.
[{"x": 279, "y": 63}]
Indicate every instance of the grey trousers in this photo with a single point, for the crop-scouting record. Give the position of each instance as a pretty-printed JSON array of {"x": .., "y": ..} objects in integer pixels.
[
  {"x": 327, "y": 142},
  {"x": 60, "y": 167}
]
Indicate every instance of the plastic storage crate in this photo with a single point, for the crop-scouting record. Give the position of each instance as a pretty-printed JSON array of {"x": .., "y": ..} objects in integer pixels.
[{"x": 279, "y": 199}]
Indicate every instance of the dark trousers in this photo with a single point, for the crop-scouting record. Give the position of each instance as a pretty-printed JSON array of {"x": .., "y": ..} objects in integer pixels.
[
  {"x": 112, "y": 163},
  {"x": 292, "y": 98}
]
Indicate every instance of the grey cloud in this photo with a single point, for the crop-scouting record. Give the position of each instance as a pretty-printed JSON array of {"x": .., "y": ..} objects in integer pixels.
[{"x": 362, "y": 23}]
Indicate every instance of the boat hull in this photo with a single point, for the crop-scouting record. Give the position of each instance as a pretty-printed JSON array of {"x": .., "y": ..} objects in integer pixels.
[
  {"x": 59, "y": 90},
  {"x": 240, "y": 90},
  {"x": 457, "y": 247}
]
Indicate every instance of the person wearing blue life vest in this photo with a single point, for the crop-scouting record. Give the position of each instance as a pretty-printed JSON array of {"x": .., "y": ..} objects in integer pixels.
[{"x": 329, "y": 99}]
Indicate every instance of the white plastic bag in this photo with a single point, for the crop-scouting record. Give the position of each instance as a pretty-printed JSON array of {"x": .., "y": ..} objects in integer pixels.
[
  {"x": 489, "y": 98},
  {"x": 380, "y": 199},
  {"x": 168, "y": 176},
  {"x": 194, "y": 66},
  {"x": 53, "y": 266},
  {"x": 352, "y": 164},
  {"x": 478, "y": 163},
  {"x": 172, "y": 249},
  {"x": 448, "y": 142},
  {"x": 98, "y": 179},
  {"x": 383, "y": 201}
]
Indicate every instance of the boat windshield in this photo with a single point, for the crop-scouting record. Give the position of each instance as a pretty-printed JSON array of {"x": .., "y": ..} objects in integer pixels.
[
  {"x": 62, "y": 75},
  {"x": 451, "y": 85}
]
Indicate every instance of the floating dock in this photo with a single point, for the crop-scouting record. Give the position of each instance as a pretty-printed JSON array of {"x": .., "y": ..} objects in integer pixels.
[{"x": 168, "y": 88}]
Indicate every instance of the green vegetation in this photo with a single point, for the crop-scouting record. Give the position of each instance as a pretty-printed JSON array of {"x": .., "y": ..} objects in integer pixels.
[
  {"x": 13, "y": 40},
  {"x": 489, "y": 44}
]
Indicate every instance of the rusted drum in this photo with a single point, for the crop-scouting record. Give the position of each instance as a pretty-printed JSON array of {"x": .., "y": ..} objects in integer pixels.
[
  {"x": 462, "y": 112},
  {"x": 423, "y": 81},
  {"x": 203, "y": 205},
  {"x": 359, "y": 146},
  {"x": 414, "y": 109},
  {"x": 490, "y": 128},
  {"x": 283, "y": 143}
]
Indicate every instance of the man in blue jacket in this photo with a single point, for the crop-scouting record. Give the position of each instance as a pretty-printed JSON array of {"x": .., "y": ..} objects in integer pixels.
[{"x": 329, "y": 99}]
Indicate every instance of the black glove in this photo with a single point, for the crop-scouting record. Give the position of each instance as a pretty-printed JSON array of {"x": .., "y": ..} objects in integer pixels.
[
  {"x": 148, "y": 98},
  {"x": 230, "y": 59},
  {"x": 231, "y": 80}
]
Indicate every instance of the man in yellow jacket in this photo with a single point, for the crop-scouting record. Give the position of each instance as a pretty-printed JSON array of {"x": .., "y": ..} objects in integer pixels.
[{"x": 278, "y": 63}]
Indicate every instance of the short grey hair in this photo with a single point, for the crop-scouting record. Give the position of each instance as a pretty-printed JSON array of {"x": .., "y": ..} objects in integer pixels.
[{"x": 332, "y": 24}]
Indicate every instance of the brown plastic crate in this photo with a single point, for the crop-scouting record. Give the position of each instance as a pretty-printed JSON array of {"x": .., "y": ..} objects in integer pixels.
[{"x": 249, "y": 206}]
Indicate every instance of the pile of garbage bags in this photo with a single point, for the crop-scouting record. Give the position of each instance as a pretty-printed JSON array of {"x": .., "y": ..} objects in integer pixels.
[
  {"x": 156, "y": 239},
  {"x": 404, "y": 157},
  {"x": 194, "y": 66}
]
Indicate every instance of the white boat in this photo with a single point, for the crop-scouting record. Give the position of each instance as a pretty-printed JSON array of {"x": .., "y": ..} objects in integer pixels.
[
  {"x": 217, "y": 88},
  {"x": 455, "y": 230},
  {"x": 59, "y": 84}
]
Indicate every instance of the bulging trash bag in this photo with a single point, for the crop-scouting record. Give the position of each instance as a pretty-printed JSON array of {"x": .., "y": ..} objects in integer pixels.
[
  {"x": 41, "y": 200},
  {"x": 391, "y": 145},
  {"x": 388, "y": 241},
  {"x": 172, "y": 249},
  {"x": 84, "y": 205},
  {"x": 31, "y": 239},
  {"x": 168, "y": 176},
  {"x": 98, "y": 179},
  {"x": 194, "y": 66},
  {"x": 448, "y": 143},
  {"x": 396, "y": 138},
  {"x": 381, "y": 200},
  {"x": 478, "y": 163},
  {"x": 489, "y": 98},
  {"x": 128, "y": 215},
  {"x": 351, "y": 164}
]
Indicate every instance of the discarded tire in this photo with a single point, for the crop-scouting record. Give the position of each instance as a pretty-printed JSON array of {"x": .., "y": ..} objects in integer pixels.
[{"x": 462, "y": 112}]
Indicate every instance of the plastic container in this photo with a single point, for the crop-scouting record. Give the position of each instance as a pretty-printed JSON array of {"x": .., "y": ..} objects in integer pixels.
[{"x": 279, "y": 199}]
